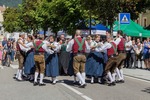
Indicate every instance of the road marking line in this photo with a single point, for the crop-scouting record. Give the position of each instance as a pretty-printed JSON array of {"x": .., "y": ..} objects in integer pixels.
[
  {"x": 137, "y": 79},
  {"x": 77, "y": 92}
]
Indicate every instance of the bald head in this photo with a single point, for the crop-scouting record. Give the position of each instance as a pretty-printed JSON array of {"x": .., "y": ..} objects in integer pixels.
[
  {"x": 78, "y": 33},
  {"x": 41, "y": 37}
]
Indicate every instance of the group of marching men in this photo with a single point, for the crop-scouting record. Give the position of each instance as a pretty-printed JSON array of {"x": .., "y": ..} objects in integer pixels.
[{"x": 102, "y": 60}]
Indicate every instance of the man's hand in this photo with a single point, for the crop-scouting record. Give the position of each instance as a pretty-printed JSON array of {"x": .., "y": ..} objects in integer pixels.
[
  {"x": 116, "y": 53},
  {"x": 93, "y": 47},
  {"x": 31, "y": 46},
  {"x": 51, "y": 46}
]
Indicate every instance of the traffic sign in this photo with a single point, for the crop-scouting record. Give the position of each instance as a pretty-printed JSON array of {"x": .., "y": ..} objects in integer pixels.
[{"x": 124, "y": 18}]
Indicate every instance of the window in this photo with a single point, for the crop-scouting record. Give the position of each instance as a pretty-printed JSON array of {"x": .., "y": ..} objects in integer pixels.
[
  {"x": 137, "y": 21},
  {"x": 144, "y": 21}
]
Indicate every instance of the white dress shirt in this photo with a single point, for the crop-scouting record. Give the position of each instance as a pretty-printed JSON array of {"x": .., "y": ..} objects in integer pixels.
[
  {"x": 29, "y": 44},
  {"x": 94, "y": 43},
  {"x": 128, "y": 43},
  {"x": 117, "y": 41},
  {"x": 104, "y": 47},
  {"x": 46, "y": 48},
  {"x": 57, "y": 49},
  {"x": 22, "y": 47}
]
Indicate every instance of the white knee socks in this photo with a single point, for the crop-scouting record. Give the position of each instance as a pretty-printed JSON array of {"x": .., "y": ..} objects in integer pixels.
[
  {"x": 36, "y": 76},
  {"x": 118, "y": 74},
  {"x": 80, "y": 78},
  {"x": 41, "y": 78},
  {"x": 92, "y": 79},
  {"x": 121, "y": 73},
  {"x": 114, "y": 77},
  {"x": 17, "y": 74},
  {"x": 110, "y": 77},
  {"x": 20, "y": 74}
]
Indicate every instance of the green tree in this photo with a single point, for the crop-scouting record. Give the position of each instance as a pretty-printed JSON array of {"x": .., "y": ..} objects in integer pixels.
[
  {"x": 31, "y": 14},
  {"x": 68, "y": 13},
  {"x": 107, "y": 10},
  {"x": 135, "y": 7},
  {"x": 12, "y": 20}
]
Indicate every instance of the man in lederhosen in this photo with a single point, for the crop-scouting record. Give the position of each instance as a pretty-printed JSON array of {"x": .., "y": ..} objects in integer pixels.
[
  {"x": 21, "y": 50},
  {"x": 40, "y": 49},
  {"x": 110, "y": 67},
  {"x": 79, "y": 46},
  {"x": 120, "y": 42}
]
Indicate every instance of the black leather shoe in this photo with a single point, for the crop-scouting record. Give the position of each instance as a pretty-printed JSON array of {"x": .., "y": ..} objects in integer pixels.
[
  {"x": 111, "y": 84},
  {"x": 42, "y": 84},
  {"x": 76, "y": 83},
  {"x": 82, "y": 86},
  {"x": 35, "y": 83},
  {"x": 120, "y": 81}
]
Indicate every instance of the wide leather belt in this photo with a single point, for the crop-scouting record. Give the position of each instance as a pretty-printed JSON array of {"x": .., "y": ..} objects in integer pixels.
[
  {"x": 121, "y": 51},
  {"x": 114, "y": 55},
  {"x": 79, "y": 54},
  {"x": 39, "y": 53}
]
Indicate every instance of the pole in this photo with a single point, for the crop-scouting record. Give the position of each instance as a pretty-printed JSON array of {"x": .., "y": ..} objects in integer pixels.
[
  {"x": 119, "y": 22},
  {"x": 107, "y": 23},
  {"x": 90, "y": 21}
]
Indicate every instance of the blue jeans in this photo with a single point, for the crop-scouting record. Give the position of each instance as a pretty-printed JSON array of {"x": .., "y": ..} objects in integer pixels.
[{"x": 12, "y": 55}]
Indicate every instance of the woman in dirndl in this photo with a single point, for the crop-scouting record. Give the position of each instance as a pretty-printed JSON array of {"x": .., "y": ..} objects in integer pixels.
[
  {"x": 52, "y": 68},
  {"x": 29, "y": 64},
  {"x": 94, "y": 63},
  {"x": 64, "y": 57}
]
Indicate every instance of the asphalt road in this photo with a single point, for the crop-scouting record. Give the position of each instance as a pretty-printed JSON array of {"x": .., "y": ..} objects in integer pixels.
[{"x": 10, "y": 89}]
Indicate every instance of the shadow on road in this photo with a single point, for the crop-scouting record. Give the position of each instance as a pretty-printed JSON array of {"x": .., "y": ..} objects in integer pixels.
[
  {"x": 70, "y": 82},
  {"x": 147, "y": 90}
]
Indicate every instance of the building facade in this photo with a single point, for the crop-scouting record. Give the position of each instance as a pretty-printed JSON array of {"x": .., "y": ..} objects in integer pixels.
[
  {"x": 2, "y": 9},
  {"x": 144, "y": 19}
]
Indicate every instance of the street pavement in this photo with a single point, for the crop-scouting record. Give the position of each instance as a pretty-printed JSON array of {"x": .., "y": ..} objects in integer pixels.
[
  {"x": 138, "y": 73},
  {"x": 136, "y": 87}
]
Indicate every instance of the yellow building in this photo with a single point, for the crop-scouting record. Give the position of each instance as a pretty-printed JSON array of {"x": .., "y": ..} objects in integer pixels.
[{"x": 144, "y": 19}]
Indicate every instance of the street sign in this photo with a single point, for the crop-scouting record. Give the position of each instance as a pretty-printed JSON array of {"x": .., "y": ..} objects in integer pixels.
[{"x": 124, "y": 18}]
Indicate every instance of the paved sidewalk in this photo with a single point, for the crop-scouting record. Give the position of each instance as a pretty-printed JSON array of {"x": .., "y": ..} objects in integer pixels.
[{"x": 137, "y": 73}]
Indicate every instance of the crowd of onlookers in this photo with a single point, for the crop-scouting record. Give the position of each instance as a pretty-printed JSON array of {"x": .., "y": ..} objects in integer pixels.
[{"x": 137, "y": 51}]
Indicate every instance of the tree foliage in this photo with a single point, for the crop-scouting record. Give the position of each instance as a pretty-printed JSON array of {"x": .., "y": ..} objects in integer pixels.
[
  {"x": 108, "y": 10},
  {"x": 68, "y": 15},
  {"x": 12, "y": 21}
]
